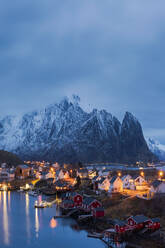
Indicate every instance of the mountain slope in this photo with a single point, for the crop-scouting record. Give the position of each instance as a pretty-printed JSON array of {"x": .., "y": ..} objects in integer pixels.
[
  {"x": 9, "y": 158},
  {"x": 157, "y": 148},
  {"x": 64, "y": 132}
]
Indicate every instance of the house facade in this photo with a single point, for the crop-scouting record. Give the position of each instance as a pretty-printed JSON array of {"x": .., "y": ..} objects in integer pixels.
[
  {"x": 116, "y": 184},
  {"x": 126, "y": 181},
  {"x": 22, "y": 171}
]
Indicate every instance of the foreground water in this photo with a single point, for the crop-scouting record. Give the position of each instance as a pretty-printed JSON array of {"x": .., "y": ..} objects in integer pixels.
[{"x": 24, "y": 226}]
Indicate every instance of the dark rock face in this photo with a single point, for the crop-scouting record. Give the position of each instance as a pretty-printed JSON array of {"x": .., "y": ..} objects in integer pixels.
[
  {"x": 133, "y": 144},
  {"x": 65, "y": 133},
  {"x": 9, "y": 158}
]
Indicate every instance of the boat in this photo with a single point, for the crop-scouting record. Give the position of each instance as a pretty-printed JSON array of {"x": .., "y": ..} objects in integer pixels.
[
  {"x": 41, "y": 204},
  {"x": 20, "y": 190}
]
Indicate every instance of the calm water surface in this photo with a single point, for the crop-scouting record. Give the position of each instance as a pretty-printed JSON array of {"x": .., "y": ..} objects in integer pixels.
[{"x": 24, "y": 226}]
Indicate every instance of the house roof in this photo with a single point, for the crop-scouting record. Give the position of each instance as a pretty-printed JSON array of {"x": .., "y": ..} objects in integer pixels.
[
  {"x": 74, "y": 194},
  {"x": 60, "y": 183},
  {"x": 140, "y": 219},
  {"x": 156, "y": 183},
  {"x": 112, "y": 180},
  {"x": 101, "y": 180},
  {"x": 88, "y": 200},
  {"x": 120, "y": 222},
  {"x": 82, "y": 171},
  {"x": 155, "y": 220},
  {"x": 23, "y": 166},
  {"x": 124, "y": 177},
  {"x": 94, "y": 178}
]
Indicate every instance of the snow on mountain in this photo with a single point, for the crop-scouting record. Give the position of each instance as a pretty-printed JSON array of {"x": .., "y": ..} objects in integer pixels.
[
  {"x": 64, "y": 132},
  {"x": 157, "y": 148}
]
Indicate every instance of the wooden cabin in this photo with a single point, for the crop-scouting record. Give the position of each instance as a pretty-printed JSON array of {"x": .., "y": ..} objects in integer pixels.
[
  {"x": 154, "y": 225},
  {"x": 116, "y": 184},
  {"x": 22, "y": 171},
  {"x": 103, "y": 183},
  {"x": 138, "y": 221},
  {"x": 126, "y": 181},
  {"x": 90, "y": 203},
  {"x": 76, "y": 198},
  {"x": 61, "y": 185},
  {"x": 98, "y": 212},
  {"x": 120, "y": 226}
]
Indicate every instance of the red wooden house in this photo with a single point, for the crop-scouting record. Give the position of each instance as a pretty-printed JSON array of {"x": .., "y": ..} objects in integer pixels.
[
  {"x": 98, "y": 212},
  {"x": 154, "y": 225},
  {"x": 120, "y": 226},
  {"x": 138, "y": 221},
  {"x": 76, "y": 198},
  {"x": 90, "y": 203}
]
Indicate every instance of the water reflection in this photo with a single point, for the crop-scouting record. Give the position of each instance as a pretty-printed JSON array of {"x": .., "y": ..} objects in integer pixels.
[
  {"x": 5, "y": 219},
  {"x": 27, "y": 216},
  {"x": 0, "y": 197},
  {"x": 53, "y": 223},
  {"x": 36, "y": 223},
  {"x": 8, "y": 199}
]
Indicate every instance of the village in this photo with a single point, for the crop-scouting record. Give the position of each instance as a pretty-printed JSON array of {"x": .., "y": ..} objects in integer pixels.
[{"x": 112, "y": 203}]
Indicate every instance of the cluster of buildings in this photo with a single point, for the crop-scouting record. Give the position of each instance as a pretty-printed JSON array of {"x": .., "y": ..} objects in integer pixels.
[
  {"x": 101, "y": 179},
  {"x": 74, "y": 200}
]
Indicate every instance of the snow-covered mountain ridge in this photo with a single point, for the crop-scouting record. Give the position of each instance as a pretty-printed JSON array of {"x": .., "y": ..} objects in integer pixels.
[
  {"x": 157, "y": 148},
  {"x": 64, "y": 132}
]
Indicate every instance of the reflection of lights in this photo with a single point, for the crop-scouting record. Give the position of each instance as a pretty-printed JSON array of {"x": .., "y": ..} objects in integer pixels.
[
  {"x": 5, "y": 220},
  {"x": 27, "y": 215},
  {"x": 9, "y": 199},
  {"x": 53, "y": 223},
  {"x": 0, "y": 197},
  {"x": 36, "y": 222}
]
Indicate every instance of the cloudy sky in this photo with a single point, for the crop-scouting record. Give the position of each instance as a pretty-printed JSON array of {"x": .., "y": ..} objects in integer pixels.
[{"x": 111, "y": 53}]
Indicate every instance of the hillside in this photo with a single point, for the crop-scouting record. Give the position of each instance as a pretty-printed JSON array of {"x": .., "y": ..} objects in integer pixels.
[{"x": 9, "y": 158}]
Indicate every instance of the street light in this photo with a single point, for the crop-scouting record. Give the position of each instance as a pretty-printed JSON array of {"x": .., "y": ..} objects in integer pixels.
[
  {"x": 119, "y": 174},
  {"x": 160, "y": 174}
]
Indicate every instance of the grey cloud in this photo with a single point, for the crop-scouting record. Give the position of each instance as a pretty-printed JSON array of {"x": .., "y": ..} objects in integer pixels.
[{"x": 109, "y": 52}]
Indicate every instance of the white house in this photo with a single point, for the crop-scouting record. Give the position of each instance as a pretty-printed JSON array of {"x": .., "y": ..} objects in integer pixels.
[
  {"x": 139, "y": 180},
  {"x": 138, "y": 183},
  {"x": 63, "y": 174},
  {"x": 126, "y": 181},
  {"x": 116, "y": 184},
  {"x": 157, "y": 186},
  {"x": 44, "y": 175},
  {"x": 104, "y": 184}
]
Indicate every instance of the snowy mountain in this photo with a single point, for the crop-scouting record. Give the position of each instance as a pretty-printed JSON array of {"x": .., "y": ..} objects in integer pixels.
[
  {"x": 157, "y": 148},
  {"x": 64, "y": 132}
]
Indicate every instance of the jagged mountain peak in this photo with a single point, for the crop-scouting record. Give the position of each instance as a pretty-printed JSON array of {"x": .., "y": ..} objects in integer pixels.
[
  {"x": 65, "y": 132},
  {"x": 129, "y": 117}
]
